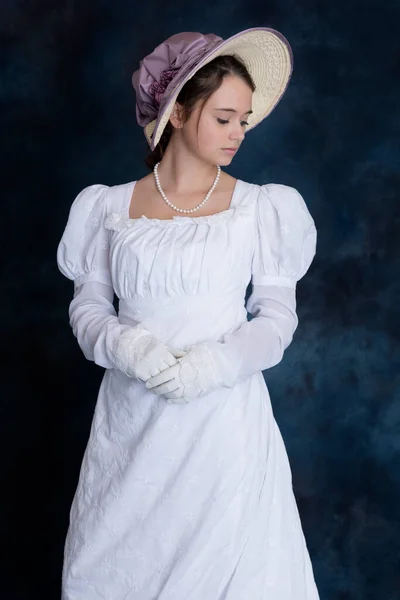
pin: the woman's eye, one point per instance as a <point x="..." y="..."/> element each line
<point x="224" y="122"/>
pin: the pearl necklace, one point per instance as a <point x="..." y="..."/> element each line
<point x="185" y="210"/>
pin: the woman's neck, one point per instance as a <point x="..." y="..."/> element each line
<point x="180" y="172"/>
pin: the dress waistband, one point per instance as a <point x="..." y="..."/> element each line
<point x="136" y="305"/>
<point x="187" y="319"/>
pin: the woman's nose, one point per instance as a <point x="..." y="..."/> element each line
<point x="237" y="135"/>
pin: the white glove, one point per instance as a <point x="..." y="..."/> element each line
<point x="193" y="376"/>
<point x="137" y="353"/>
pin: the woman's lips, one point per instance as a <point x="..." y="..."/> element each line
<point x="230" y="151"/>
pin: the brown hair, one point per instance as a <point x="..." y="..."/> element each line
<point x="200" y="87"/>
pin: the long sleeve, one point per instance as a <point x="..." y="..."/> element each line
<point x="83" y="257"/>
<point x="95" y="323"/>
<point x="285" y="247"/>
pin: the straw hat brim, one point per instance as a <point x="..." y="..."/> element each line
<point x="269" y="60"/>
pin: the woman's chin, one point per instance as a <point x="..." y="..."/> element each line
<point x="225" y="159"/>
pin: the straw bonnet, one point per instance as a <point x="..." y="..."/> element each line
<point x="163" y="73"/>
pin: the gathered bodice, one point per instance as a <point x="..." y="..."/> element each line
<point x="184" y="256"/>
<point x="186" y="277"/>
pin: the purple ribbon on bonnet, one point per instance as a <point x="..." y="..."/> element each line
<point x="171" y="60"/>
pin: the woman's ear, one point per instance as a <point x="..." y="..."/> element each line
<point x="176" y="117"/>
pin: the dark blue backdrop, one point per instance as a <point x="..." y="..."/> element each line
<point x="67" y="116"/>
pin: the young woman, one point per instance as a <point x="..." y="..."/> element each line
<point x="185" y="490"/>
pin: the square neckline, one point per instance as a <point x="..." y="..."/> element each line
<point x="174" y="218"/>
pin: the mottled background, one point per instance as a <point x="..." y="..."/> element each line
<point x="67" y="120"/>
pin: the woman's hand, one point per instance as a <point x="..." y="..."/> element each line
<point x="138" y="354"/>
<point x="168" y="384"/>
<point x="193" y="376"/>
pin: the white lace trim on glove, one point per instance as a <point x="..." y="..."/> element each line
<point x="132" y="346"/>
<point x="198" y="372"/>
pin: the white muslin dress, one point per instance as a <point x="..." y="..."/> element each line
<point x="193" y="501"/>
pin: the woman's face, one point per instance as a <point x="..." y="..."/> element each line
<point x="215" y="132"/>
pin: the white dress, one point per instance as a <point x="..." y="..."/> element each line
<point x="194" y="501"/>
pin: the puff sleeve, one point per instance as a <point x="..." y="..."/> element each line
<point x="285" y="245"/>
<point x="83" y="257"/>
<point x="285" y="237"/>
<point x="82" y="253"/>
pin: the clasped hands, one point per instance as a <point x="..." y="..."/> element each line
<point x="179" y="376"/>
<point x="165" y="377"/>
<point x="182" y="376"/>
